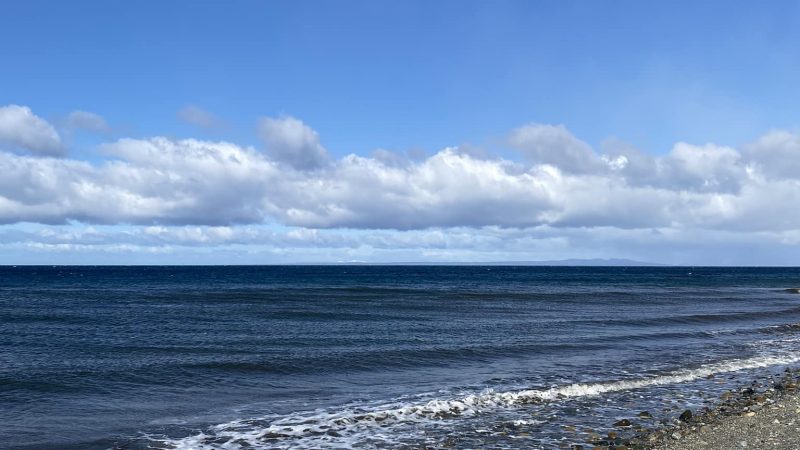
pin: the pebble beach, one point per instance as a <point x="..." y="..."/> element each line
<point x="776" y="426"/>
<point x="763" y="415"/>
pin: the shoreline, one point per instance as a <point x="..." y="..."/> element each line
<point x="764" y="414"/>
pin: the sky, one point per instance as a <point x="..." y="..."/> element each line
<point x="271" y="132"/>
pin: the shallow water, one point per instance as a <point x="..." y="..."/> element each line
<point x="374" y="357"/>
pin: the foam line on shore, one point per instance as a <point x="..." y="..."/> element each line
<point x="321" y="426"/>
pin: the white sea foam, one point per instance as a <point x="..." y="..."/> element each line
<point x="312" y="429"/>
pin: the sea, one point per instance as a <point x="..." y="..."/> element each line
<point x="376" y="357"/>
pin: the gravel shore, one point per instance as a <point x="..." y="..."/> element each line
<point x="763" y="415"/>
<point x="775" y="426"/>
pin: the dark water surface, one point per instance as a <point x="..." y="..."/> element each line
<point x="373" y="356"/>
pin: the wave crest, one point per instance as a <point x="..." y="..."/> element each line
<point x="314" y="428"/>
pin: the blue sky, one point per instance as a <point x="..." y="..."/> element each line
<point x="410" y="78"/>
<point x="414" y="74"/>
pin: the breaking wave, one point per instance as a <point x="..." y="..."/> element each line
<point x="323" y="427"/>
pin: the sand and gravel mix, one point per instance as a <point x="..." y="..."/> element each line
<point x="774" y="426"/>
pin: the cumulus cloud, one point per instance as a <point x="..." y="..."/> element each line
<point x="20" y="129"/>
<point x="563" y="185"/>
<point x="88" y="121"/>
<point x="776" y="154"/>
<point x="290" y="141"/>
<point x="446" y="189"/>
<point x="163" y="181"/>
<point x="555" y="145"/>
<point x="199" y="117"/>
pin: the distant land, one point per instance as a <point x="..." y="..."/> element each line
<point x="597" y="262"/>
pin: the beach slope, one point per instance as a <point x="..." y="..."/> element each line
<point x="743" y="423"/>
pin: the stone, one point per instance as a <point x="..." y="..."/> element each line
<point x="676" y="435"/>
<point x="645" y="415"/>
<point x="622" y="423"/>
<point x="685" y="416"/>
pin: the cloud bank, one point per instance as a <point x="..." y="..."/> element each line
<point x="559" y="184"/>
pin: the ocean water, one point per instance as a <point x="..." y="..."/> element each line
<point x="375" y="356"/>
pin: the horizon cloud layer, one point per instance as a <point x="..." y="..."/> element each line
<point x="559" y="184"/>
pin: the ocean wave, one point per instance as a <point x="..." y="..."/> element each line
<point x="737" y="316"/>
<point x="784" y="328"/>
<point x="316" y="428"/>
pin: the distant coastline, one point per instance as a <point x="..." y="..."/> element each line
<point x="591" y="262"/>
<point x="594" y="262"/>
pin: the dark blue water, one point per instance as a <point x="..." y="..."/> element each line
<point x="373" y="357"/>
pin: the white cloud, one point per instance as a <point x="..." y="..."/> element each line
<point x="199" y="117"/>
<point x="198" y="193"/>
<point x="776" y="154"/>
<point x="163" y="181"/>
<point x="708" y="168"/>
<point x="555" y="145"/>
<point x="290" y="141"/>
<point x="261" y="244"/>
<point x="87" y="121"/>
<point x="21" y="129"/>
